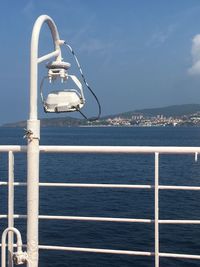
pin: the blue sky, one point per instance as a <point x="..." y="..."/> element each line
<point x="134" y="53"/>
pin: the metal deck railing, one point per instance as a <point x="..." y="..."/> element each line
<point x="157" y="151"/>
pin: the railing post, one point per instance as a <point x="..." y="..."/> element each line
<point x="32" y="201"/>
<point x="156" y="209"/>
<point x="10" y="206"/>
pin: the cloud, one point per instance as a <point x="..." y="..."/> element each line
<point x="161" y="36"/>
<point x="93" y="45"/>
<point x="195" y="69"/>
<point x="104" y="49"/>
<point x="157" y="38"/>
<point x="28" y="9"/>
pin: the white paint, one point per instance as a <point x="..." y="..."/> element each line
<point x="10" y="206"/>
<point x="33" y="128"/>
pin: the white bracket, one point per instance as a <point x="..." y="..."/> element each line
<point x="19" y="257"/>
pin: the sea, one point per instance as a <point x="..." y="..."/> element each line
<point x="118" y="203"/>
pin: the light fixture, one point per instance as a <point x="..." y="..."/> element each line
<point x="65" y="100"/>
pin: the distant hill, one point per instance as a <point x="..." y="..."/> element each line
<point x="174" y="111"/>
<point x="57" y="122"/>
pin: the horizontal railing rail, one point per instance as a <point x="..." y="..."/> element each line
<point x="154" y="150"/>
<point x="106" y="149"/>
<point x="125" y="186"/>
<point x="103" y="219"/>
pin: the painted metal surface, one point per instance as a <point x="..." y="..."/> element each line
<point x="20" y="256"/>
<point x="156" y="209"/>
<point x="10" y="206"/>
<point x="104" y="150"/>
<point x="33" y="135"/>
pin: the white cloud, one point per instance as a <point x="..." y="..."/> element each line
<point x="195" y="69"/>
<point x="157" y="38"/>
<point x="28" y="9"/>
<point x="93" y="45"/>
<point x="160" y="37"/>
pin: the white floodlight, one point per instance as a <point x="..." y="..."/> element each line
<point x="63" y="101"/>
<point x="66" y="100"/>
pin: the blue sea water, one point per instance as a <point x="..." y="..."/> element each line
<point x="123" y="203"/>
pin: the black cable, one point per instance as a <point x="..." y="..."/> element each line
<point x="87" y="85"/>
<point x="85" y="117"/>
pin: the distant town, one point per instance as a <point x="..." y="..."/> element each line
<point x="160" y="120"/>
<point x="170" y="116"/>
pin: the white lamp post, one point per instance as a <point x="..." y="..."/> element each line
<point x="67" y="100"/>
<point x="33" y="135"/>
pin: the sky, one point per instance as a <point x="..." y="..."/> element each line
<point x="134" y="53"/>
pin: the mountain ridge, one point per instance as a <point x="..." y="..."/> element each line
<point x="172" y="110"/>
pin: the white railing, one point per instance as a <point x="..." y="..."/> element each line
<point x="101" y="149"/>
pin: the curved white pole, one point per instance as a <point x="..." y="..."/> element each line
<point x="34" y="58"/>
<point x="33" y="136"/>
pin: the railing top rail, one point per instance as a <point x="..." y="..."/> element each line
<point x="121" y="149"/>
<point x="105" y="149"/>
<point x="14" y="148"/>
